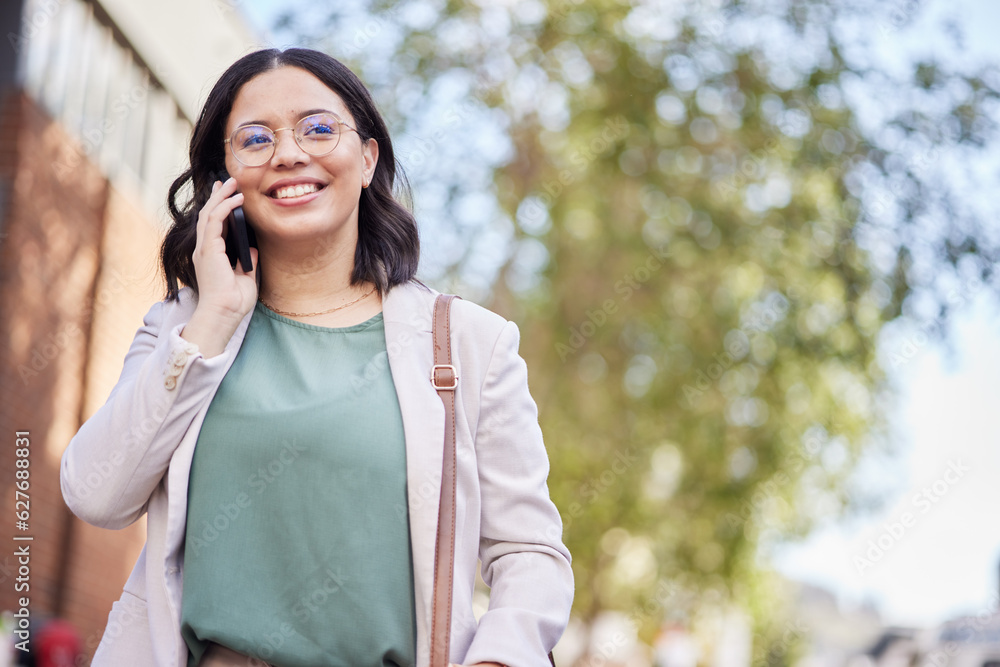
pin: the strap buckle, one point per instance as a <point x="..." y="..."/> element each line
<point x="445" y="368"/>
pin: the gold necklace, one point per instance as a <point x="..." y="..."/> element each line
<point x="323" y="312"/>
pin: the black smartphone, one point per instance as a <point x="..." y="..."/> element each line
<point x="240" y="236"/>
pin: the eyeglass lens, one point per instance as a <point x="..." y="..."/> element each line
<point x="253" y="145"/>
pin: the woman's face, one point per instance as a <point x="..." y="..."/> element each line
<point x="279" y="98"/>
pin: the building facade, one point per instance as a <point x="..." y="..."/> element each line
<point x="96" y="106"/>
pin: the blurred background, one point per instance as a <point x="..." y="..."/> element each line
<point x="749" y="244"/>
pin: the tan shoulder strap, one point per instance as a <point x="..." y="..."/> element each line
<point x="444" y="377"/>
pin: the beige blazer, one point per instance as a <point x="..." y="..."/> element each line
<point x="133" y="456"/>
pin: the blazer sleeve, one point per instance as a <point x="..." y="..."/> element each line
<point x="523" y="558"/>
<point x="119" y="455"/>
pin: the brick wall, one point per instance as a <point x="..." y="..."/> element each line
<point x="77" y="273"/>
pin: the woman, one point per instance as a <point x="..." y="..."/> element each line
<point x="301" y="529"/>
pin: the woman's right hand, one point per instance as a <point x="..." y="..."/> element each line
<point x="225" y="295"/>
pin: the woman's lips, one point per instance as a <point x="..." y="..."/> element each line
<point x="310" y="191"/>
<point x="297" y="201"/>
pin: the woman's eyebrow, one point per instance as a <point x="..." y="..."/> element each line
<point x="309" y="112"/>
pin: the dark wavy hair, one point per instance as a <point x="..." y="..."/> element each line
<point x="388" y="249"/>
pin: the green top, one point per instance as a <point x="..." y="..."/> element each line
<point x="297" y="548"/>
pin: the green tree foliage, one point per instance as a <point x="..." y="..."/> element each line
<point x="712" y="210"/>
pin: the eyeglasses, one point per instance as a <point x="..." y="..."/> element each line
<point x="318" y="134"/>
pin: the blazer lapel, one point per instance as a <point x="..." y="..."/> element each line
<point x="406" y="312"/>
<point x="180" y="462"/>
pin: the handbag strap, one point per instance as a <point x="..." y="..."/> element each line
<point x="444" y="377"/>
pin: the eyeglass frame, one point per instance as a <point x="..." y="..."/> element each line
<point x="274" y="133"/>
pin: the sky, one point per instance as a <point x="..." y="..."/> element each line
<point x="932" y="551"/>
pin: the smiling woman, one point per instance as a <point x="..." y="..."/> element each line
<point x="279" y="427"/>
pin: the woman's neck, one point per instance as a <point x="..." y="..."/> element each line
<point x="310" y="278"/>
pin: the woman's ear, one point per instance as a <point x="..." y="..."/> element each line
<point x="369" y="158"/>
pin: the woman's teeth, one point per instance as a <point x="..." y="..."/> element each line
<point x="295" y="190"/>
